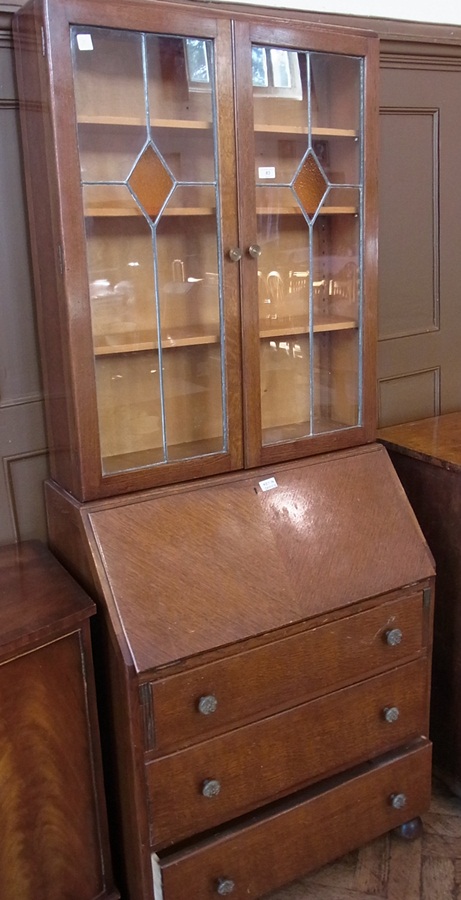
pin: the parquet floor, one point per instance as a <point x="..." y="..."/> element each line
<point x="389" y="868"/>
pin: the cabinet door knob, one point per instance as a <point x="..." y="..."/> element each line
<point x="394" y="637"/>
<point x="235" y="254"/>
<point x="254" y="250"/>
<point x="225" y="886"/>
<point x="391" y="714"/>
<point x="398" y="801"/>
<point x="207" y="704"/>
<point x="211" y="787"/>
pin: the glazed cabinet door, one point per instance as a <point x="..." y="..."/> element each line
<point x="145" y="143"/>
<point x="211" y="186"/>
<point x="305" y="102"/>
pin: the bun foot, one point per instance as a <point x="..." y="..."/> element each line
<point x="409" y="831"/>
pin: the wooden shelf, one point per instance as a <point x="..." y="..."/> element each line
<point x="284" y="327"/>
<point x="204" y="125"/>
<point x="339" y="211"/>
<point x="107" y="211"/>
<point x="302" y="129"/>
<point x="335" y="132"/>
<point x="92" y="212"/>
<point x="111" y="121"/>
<point x="188" y="124"/>
<point x="140" y="342"/>
<point x="138" y="122"/>
<point x="299" y="430"/>
<point x="297" y="211"/>
<point x="139" y="459"/>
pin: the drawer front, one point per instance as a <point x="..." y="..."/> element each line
<point x="210" y="783"/>
<point x="323" y="824"/>
<point x="283" y="674"/>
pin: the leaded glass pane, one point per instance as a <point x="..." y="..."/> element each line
<point x="147" y="141"/>
<point x="308" y="173"/>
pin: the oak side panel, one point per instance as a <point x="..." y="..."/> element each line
<point x="42" y="202"/>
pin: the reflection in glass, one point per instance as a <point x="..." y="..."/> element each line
<point x="129" y="409"/>
<point x="271" y="66"/>
<point x="276" y="72"/>
<point x="197" y="61"/>
<point x="107" y="85"/>
<point x="280" y="67"/>
<point x="96" y="163"/>
<point x="188" y="283"/>
<point x="259" y="66"/>
<point x="285" y="387"/>
<point x="121" y="282"/>
<point x="336" y="91"/>
<point x="308" y="172"/>
<point x="283" y="276"/>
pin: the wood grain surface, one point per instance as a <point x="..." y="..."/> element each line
<point x="391" y="869"/>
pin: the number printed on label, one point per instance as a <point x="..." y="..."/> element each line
<point x="268" y="484"/>
<point x="266" y="172"/>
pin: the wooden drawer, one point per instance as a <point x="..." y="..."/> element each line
<point x="284" y="673"/>
<point x="275" y="756"/>
<point x="302" y="834"/>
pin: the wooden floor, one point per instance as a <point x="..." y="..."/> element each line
<point x="428" y="868"/>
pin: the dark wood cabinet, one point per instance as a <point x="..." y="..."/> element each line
<point x="54" y="826"/>
<point x="427" y="458"/>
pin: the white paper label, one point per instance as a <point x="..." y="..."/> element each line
<point x="268" y="484"/>
<point x="84" y="42"/>
<point x="266" y="172"/>
<point x="157" y="877"/>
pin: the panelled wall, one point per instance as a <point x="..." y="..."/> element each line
<point x="420" y="262"/>
<point x="23" y="454"/>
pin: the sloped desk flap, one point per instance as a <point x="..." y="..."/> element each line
<point x="199" y="567"/>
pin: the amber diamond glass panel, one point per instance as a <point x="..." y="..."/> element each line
<point x="150" y="181"/>
<point x="310" y="185"/>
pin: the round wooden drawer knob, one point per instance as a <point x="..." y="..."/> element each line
<point x="207" y="705"/>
